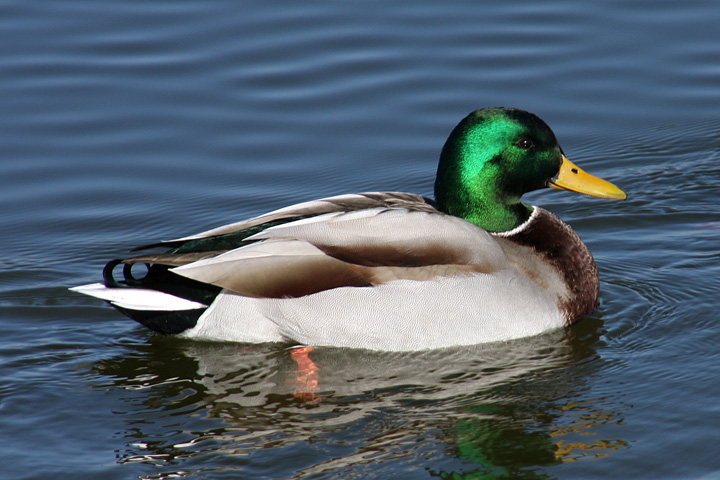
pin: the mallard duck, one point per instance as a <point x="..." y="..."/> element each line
<point x="387" y="270"/>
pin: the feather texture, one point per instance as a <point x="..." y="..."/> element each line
<point x="362" y="248"/>
<point x="340" y="203"/>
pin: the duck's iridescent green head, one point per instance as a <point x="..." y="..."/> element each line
<point x="493" y="157"/>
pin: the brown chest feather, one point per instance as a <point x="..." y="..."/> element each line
<point x="557" y="247"/>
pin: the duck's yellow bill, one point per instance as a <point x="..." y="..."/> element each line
<point x="573" y="178"/>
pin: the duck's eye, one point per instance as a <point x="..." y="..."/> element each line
<point x="525" y="143"/>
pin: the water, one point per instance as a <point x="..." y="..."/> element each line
<point x="128" y="122"/>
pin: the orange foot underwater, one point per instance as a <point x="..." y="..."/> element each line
<point x="307" y="376"/>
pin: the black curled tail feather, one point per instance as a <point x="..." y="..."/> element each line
<point x="158" y="277"/>
<point x="108" y="277"/>
<point x="129" y="280"/>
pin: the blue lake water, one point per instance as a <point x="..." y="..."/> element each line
<point x="122" y="123"/>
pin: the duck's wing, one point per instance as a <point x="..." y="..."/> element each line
<point x="360" y="248"/>
<point x="212" y="243"/>
<point x="238" y="231"/>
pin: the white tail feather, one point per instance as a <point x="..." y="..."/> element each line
<point x="138" y="298"/>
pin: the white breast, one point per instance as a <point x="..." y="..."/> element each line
<point x="398" y="316"/>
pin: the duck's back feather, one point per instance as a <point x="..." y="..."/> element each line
<point x="361" y="248"/>
<point x="339" y="203"/>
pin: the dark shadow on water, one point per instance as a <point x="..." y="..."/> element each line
<point x="492" y="411"/>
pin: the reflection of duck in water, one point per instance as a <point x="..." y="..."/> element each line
<point x="475" y="265"/>
<point x="471" y="409"/>
<point x="509" y="441"/>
